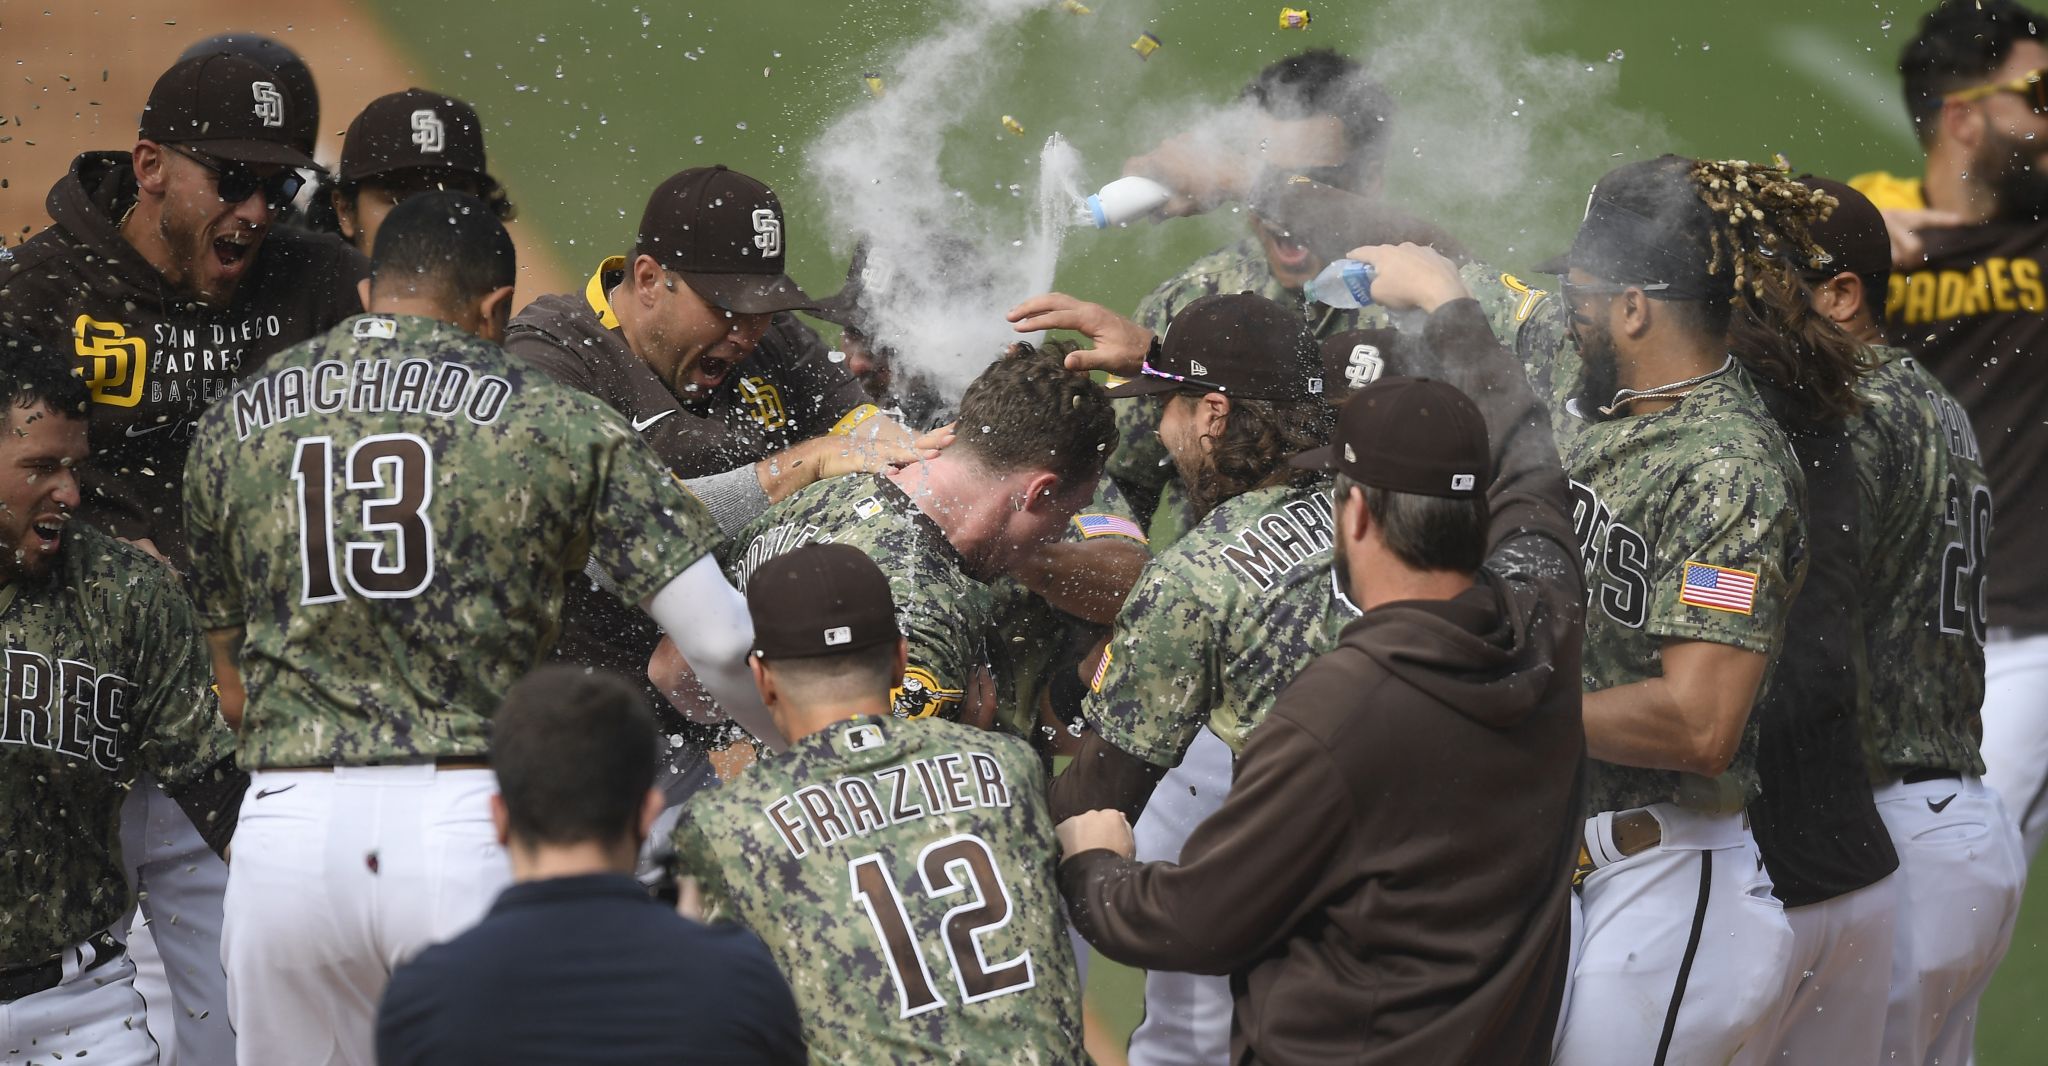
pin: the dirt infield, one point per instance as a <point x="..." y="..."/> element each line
<point x="77" y="74"/>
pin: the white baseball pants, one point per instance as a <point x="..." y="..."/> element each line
<point x="338" y="877"/>
<point x="1839" y="982"/>
<point x="1685" y="950"/>
<point x="93" y="1017"/>
<point x="175" y="943"/>
<point x="1962" y="874"/>
<point x="2016" y="729"/>
<point x="1187" y="1016"/>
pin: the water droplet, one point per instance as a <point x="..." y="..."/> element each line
<point x="1616" y="56"/>
<point x="1885" y="25"/>
<point x="541" y="39"/>
<point x="739" y="126"/>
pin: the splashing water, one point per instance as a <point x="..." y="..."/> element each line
<point x="942" y="269"/>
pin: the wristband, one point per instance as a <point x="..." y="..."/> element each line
<point x="853" y="418"/>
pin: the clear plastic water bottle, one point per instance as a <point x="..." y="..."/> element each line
<point x="1344" y="283"/>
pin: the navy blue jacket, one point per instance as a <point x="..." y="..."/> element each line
<point x="589" y="970"/>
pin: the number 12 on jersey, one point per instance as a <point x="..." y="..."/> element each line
<point x="956" y="864"/>
<point x="393" y="473"/>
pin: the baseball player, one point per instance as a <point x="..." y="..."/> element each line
<point x="107" y="681"/>
<point x="944" y="528"/>
<point x="1688" y="508"/>
<point x="162" y="276"/>
<point x="386" y="518"/>
<point x="1961" y="865"/>
<point x="900" y="871"/>
<point x="690" y="337"/>
<point x="405" y="143"/>
<point x="1967" y="300"/>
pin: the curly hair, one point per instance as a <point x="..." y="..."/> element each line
<point x="1763" y="234"/>
<point x="1258" y="438"/>
<point x="1026" y="411"/>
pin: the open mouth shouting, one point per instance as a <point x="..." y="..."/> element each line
<point x="46" y="535"/>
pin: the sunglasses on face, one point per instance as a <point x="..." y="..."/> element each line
<point x="236" y="182"/>
<point x="2029" y="85"/>
<point x="1574" y="293"/>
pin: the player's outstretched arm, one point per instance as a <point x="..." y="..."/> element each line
<point x="708" y="621"/>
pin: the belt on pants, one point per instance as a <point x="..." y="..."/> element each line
<point x="27" y="979"/>
<point x="1634" y="832"/>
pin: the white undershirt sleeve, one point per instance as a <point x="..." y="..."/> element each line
<point x="707" y="619"/>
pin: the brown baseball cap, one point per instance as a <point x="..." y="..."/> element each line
<point x="1854" y="236"/>
<point x="415" y="129"/>
<point x="723" y="232"/>
<point x="821" y="599"/>
<point x="1240" y="345"/>
<point x="226" y="106"/>
<point x="1408" y="435"/>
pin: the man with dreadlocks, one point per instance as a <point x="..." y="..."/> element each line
<point x="1689" y="507"/>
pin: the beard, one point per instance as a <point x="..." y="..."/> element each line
<point x="1599" y="369"/>
<point x="2014" y="169"/>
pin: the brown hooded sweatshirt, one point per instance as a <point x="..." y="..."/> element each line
<point x="1389" y="880"/>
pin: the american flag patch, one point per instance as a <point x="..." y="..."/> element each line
<point x="1108" y="525"/>
<point x="1718" y="588"/>
<point x="1101" y="671"/>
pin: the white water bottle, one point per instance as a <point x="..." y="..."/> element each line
<point x="1344" y="283"/>
<point x="1123" y="200"/>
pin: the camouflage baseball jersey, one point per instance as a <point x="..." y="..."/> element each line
<point x="1028" y="634"/>
<point x="944" y="612"/>
<point x="901" y="872"/>
<point x="1926" y="507"/>
<point x="108" y="678"/>
<point x="1691" y="525"/>
<point x="1220" y="623"/>
<point x="391" y="512"/>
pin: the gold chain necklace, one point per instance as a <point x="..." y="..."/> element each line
<point x="1673" y="391"/>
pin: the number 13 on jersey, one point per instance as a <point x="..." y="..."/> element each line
<point x="391" y="478"/>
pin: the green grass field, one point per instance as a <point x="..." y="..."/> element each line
<point x="1515" y="111"/>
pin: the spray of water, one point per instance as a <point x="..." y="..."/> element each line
<point x="942" y="269"/>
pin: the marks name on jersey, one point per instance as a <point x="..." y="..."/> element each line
<point x="432" y="387"/>
<point x="818" y="816"/>
<point x="1269" y="546"/>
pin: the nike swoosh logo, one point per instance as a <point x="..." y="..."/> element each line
<point x="262" y="792"/>
<point x="134" y="431"/>
<point x="640" y="424"/>
<point x="1943" y="805"/>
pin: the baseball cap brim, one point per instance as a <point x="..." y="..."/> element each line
<point x="1323" y="458"/>
<point x="1144" y="385"/>
<point x="1561" y="263"/>
<point x="253" y="152"/>
<point x="750" y="294"/>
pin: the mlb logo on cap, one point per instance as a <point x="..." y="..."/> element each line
<point x="838" y="635"/>
<point x="1463" y="482"/>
